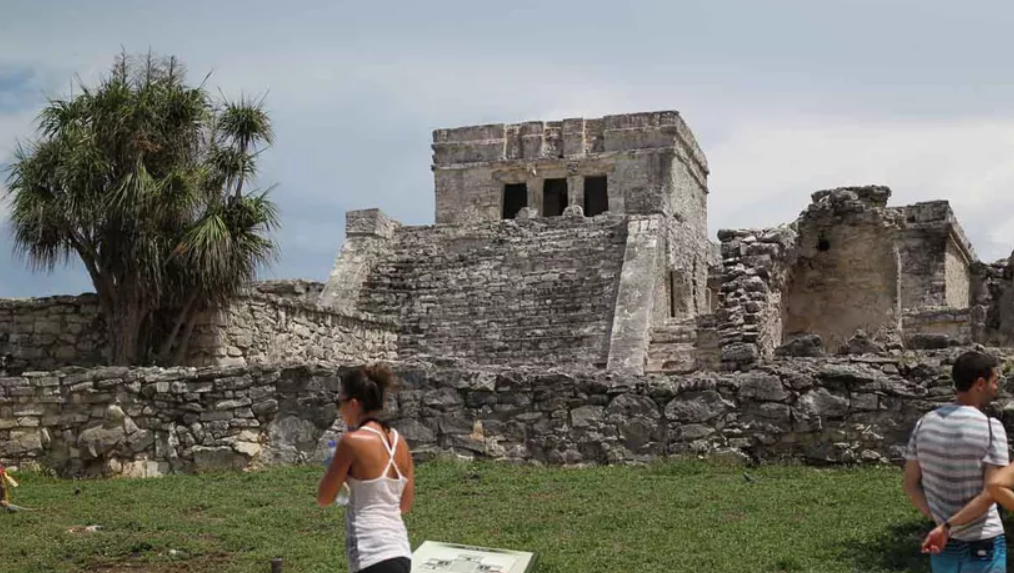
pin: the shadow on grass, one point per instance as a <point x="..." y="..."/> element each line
<point x="896" y="548"/>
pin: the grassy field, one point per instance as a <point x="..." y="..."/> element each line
<point x="677" y="516"/>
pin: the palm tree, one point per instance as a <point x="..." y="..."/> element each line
<point x="142" y="179"/>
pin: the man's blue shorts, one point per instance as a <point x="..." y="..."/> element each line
<point x="986" y="556"/>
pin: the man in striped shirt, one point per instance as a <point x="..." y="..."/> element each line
<point x="951" y="454"/>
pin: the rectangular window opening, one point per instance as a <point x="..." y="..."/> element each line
<point x="596" y="196"/>
<point x="554" y="197"/>
<point x="515" y="198"/>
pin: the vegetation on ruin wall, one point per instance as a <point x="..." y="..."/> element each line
<point x="685" y="516"/>
<point x="146" y="179"/>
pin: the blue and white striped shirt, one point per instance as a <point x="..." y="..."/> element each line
<point x="952" y="445"/>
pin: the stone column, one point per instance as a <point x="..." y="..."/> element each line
<point x="635" y="297"/>
<point x="575" y="191"/>
<point x="535" y="185"/>
<point x="367" y="232"/>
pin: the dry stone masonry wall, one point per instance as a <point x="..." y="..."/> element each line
<point x="46" y="333"/>
<point x="754" y="271"/>
<point x="273" y="321"/>
<point x="262" y="328"/>
<point x="150" y="421"/>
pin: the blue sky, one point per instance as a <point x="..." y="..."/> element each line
<point x="785" y="97"/>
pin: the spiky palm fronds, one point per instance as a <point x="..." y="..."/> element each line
<point x="142" y="178"/>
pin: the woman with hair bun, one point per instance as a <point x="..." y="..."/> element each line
<point x="375" y="462"/>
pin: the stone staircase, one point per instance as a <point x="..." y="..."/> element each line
<point x="672" y="347"/>
<point x="518" y="293"/>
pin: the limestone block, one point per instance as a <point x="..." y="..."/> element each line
<point x="820" y="402"/>
<point x="762" y="387"/>
<point x="96" y="441"/>
<point x="586" y="416"/>
<point x="217" y="458"/>
<point x="632" y="405"/>
<point x="247" y="448"/>
<point x="22" y="442"/>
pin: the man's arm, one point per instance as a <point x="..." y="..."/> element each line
<point x="912" y="484"/>
<point x="980" y="504"/>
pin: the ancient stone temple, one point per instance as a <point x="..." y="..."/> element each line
<point x="582" y="244"/>
<point x="565" y="307"/>
<point x="561" y="243"/>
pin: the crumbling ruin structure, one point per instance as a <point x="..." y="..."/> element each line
<point x="565" y="307"/>
<point x="582" y="244"/>
<point x="853" y="275"/>
<point x="565" y="243"/>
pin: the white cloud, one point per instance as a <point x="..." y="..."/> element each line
<point x="765" y="171"/>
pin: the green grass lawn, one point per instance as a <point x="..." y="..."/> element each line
<point x="677" y="516"/>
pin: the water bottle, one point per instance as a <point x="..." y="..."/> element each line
<point x="332" y="447"/>
<point x="343" y="495"/>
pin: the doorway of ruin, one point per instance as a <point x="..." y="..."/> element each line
<point x="515" y="198"/>
<point x="554" y="197"/>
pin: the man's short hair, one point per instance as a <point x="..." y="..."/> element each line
<point x="971" y="366"/>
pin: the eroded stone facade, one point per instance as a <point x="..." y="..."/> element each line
<point x="852" y="268"/>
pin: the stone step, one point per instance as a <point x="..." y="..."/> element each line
<point x="500" y="293"/>
<point x="671" y="357"/>
<point x="675" y="332"/>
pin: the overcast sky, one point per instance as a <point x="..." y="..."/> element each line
<point x="785" y="97"/>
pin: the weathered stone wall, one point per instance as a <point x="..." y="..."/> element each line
<point x="852" y="267"/>
<point x="368" y="236"/>
<point x="637" y="153"/>
<point x="755" y="266"/>
<point x="957" y="277"/>
<point x="639" y="295"/>
<point x="935" y="256"/>
<point x="992" y="311"/>
<point x="260" y="328"/>
<point x="271" y="321"/>
<point x="300" y="290"/>
<point x="847" y="273"/>
<point x="146" y="422"/>
<point x="534" y="291"/>
<point x="688" y="250"/>
<point x="47" y="333"/>
<point x="937" y="328"/>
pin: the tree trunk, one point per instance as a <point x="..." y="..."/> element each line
<point x="124" y="326"/>
<point x="181" y="351"/>
<point x="184" y="317"/>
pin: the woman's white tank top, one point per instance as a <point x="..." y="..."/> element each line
<point x="374" y="530"/>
